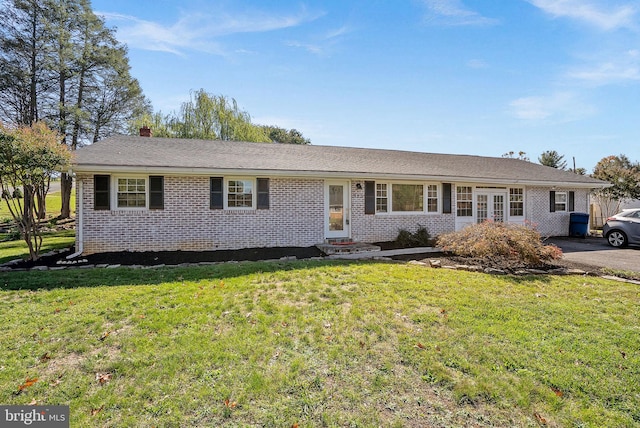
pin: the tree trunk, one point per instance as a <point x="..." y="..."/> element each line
<point x="66" y="183"/>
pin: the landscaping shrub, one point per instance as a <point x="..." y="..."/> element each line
<point x="509" y="243"/>
<point x="419" y="238"/>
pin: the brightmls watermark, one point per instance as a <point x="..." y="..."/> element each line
<point x="34" y="416"/>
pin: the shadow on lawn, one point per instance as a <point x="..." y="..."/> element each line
<point x="101" y="277"/>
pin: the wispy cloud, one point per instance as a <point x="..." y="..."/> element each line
<point x="322" y="45"/>
<point x="559" y="107"/>
<point x="601" y="15"/>
<point x="453" y="12"/>
<point x="619" y="68"/>
<point x="198" y="31"/>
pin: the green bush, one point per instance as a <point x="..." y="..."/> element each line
<point x="419" y="238"/>
<point x="508" y="243"/>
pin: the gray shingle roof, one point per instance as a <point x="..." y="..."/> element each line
<point x="165" y="155"/>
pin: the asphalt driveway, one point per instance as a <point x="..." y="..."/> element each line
<point x="596" y="252"/>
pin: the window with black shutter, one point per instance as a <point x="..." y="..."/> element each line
<point x="446" y="198"/>
<point x="217" y="194"/>
<point x="156" y="192"/>
<point x="369" y="197"/>
<point x="263" y="193"/>
<point x="552" y="201"/>
<point x="101" y="192"/>
<point x="572" y="197"/>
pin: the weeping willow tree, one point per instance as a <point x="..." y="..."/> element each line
<point x="205" y="116"/>
<point x="213" y="117"/>
<point x="29" y="156"/>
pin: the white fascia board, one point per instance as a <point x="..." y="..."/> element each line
<point x="160" y="170"/>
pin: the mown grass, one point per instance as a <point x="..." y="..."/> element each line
<point x="321" y="344"/>
<point x="17" y="249"/>
<point x="53" y="202"/>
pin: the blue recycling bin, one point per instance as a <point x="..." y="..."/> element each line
<point x="579" y="224"/>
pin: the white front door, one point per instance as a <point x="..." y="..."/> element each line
<point x="337" y="209"/>
<point x="491" y="206"/>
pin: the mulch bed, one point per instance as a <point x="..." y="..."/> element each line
<point x="154" y="258"/>
<point x="127" y="258"/>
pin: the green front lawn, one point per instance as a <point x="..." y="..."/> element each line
<point x="321" y="344"/>
<point x="17" y="249"/>
<point x="53" y="202"/>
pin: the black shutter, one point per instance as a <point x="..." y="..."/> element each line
<point x="572" y="197"/>
<point x="156" y="192"/>
<point x="552" y="201"/>
<point x="216" y="198"/>
<point x="263" y="193"/>
<point x="369" y="197"/>
<point x="446" y="198"/>
<point x="101" y="192"/>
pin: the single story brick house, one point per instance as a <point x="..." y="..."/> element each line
<point x="158" y="194"/>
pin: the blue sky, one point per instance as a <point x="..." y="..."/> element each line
<point x="448" y="76"/>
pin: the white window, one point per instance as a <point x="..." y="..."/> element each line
<point x="432" y="198"/>
<point x="516" y="202"/>
<point x="382" y="201"/>
<point x="561" y="201"/>
<point x="240" y="193"/>
<point x="131" y="192"/>
<point x="464" y="201"/>
<point x="407" y="198"/>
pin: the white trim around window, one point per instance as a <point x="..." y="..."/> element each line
<point x="240" y="193"/>
<point x="562" y="202"/>
<point x="130" y="192"/>
<point x="428" y="201"/>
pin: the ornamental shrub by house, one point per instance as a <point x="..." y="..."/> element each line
<point x="497" y="241"/>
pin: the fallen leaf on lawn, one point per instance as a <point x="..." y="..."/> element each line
<point x="362" y="344"/>
<point x="230" y="404"/>
<point x="27" y="383"/>
<point x="45" y="357"/>
<point x="96" y="411"/>
<point x="56" y="310"/>
<point x="557" y="391"/>
<point x="105" y="335"/>
<point x="539" y="418"/>
<point x="141" y="316"/>
<point x="624" y="354"/>
<point x="420" y="345"/>
<point x="221" y="283"/>
<point x="34" y="402"/>
<point x="284" y="324"/>
<point x="294" y="425"/>
<point x="103" y="377"/>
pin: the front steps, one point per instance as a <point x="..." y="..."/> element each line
<point x="345" y="246"/>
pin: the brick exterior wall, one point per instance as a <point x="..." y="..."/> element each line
<point x="295" y="218"/>
<point x="552" y="223"/>
<point x="385" y="227"/>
